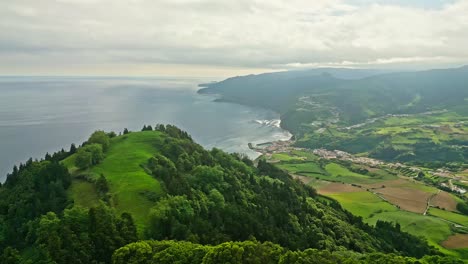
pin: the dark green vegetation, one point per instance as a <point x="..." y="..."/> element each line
<point x="320" y="110"/>
<point x="250" y="252"/>
<point x="159" y="184"/>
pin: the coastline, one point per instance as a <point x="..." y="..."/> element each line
<point x="257" y="147"/>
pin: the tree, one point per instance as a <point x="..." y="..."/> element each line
<point x="100" y="137"/>
<point x="72" y="149"/>
<point x="89" y="155"/>
<point x="10" y="256"/>
<point x="96" y="151"/>
<point x="126" y="131"/>
<point x="83" y="159"/>
<point x="104" y="235"/>
<point x="160" y="127"/>
<point x="48" y="236"/>
<point x="463" y="208"/>
<point x="147" y="128"/>
<point x="171" y="217"/>
<point x="135" y="253"/>
<point x="112" y="134"/>
<point x="216" y="198"/>
<point x="101" y="185"/>
<point x="127" y="228"/>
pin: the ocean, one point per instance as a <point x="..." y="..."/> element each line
<point x="45" y="114"/>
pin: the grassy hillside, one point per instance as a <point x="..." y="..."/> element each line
<point x="123" y="168"/>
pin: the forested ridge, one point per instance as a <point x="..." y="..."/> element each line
<point x="209" y="199"/>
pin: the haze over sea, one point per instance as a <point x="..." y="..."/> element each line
<point x="45" y="114"/>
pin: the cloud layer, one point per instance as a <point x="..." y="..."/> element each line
<point x="86" y="36"/>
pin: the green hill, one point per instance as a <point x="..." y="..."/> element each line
<point x="81" y="205"/>
<point x="129" y="183"/>
<point x="408" y="117"/>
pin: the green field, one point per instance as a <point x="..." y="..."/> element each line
<point x="284" y="157"/>
<point x="83" y="193"/>
<point x="450" y="216"/>
<point x="364" y="204"/>
<point x="126" y="177"/>
<point x="424" y="138"/>
<point x="306" y="164"/>
<point x="433" y="229"/>
<point x="294" y="155"/>
<point x="302" y="168"/>
<point x="373" y="208"/>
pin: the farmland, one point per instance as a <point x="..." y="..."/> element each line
<point x="450" y="216"/>
<point x="457" y="241"/>
<point x="446" y="201"/>
<point x="425" y="138"/>
<point x="381" y="192"/>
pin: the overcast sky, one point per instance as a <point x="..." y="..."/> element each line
<point x="227" y="37"/>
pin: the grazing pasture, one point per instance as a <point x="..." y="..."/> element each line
<point x="361" y="203"/>
<point x="127" y="179"/>
<point x="450" y="216"/>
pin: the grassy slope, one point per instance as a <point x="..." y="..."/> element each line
<point x="83" y="193"/>
<point x="433" y="229"/>
<point x="363" y="204"/>
<point x="450" y="216"/>
<point x="127" y="178"/>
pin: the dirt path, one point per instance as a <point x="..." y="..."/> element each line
<point x="304" y="179"/>
<point x="429" y="202"/>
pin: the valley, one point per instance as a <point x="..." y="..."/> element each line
<point x="378" y="190"/>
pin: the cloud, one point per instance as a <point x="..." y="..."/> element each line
<point x="240" y="34"/>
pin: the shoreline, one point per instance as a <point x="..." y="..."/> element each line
<point x="218" y="98"/>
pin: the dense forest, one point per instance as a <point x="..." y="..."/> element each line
<point x="210" y="199"/>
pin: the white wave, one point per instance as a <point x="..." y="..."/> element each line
<point x="270" y="123"/>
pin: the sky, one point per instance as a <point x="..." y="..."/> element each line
<point x="220" y="38"/>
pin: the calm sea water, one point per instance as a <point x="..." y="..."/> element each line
<point x="45" y="114"/>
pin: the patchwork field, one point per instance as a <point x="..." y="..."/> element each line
<point x="333" y="188"/>
<point x="357" y="201"/>
<point x="456" y="241"/>
<point x="436" y="137"/>
<point x="379" y="194"/>
<point x="407" y="194"/>
<point x="445" y="200"/>
<point x="407" y="199"/>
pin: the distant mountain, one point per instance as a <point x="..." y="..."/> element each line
<point x="353" y="95"/>
<point x="324" y="100"/>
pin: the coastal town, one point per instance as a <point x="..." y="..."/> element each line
<point x="267" y="150"/>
